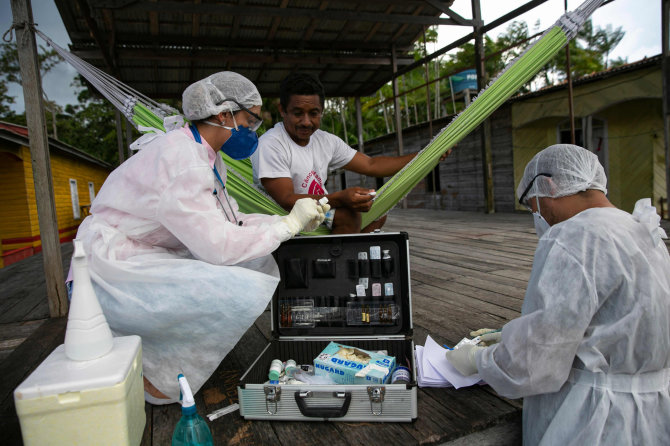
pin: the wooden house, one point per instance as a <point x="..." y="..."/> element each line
<point x="618" y="115"/>
<point x="77" y="176"/>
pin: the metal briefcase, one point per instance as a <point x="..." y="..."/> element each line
<point x="351" y="289"/>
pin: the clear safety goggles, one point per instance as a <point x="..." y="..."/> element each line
<point x="523" y="201"/>
<point x="253" y="120"/>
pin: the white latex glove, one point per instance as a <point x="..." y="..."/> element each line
<point x="321" y="209"/>
<point x="463" y="359"/>
<point x="304" y="213"/>
<point x="487" y="336"/>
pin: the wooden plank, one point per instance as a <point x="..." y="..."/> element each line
<point x="427" y="266"/>
<point x="221" y="391"/>
<point x="452" y="294"/>
<point x="21" y="363"/>
<point x="19" y="330"/>
<point x="39" y="143"/>
<point x="23" y="287"/>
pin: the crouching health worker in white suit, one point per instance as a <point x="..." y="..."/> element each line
<point x="590" y="353"/>
<point x="171" y="257"/>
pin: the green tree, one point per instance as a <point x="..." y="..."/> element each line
<point x="607" y="39"/>
<point x="90" y="125"/>
<point x="589" y="53"/>
<point x="10" y="72"/>
<point x="5" y="102"/>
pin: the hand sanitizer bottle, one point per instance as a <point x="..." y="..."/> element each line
<point x="191" y="429"/>
<point x="87" y="335"/>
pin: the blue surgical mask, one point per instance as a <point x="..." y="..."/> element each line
<point x="242" y="142"/>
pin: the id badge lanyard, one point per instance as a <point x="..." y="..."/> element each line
<point x="198" y="139"/>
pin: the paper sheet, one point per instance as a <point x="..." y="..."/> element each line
<point x="435" y="371"/>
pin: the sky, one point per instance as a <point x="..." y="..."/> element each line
<point x="640" y="19"/>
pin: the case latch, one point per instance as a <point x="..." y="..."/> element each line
<point x="272" y="396"/>
<point x="376" y="395"/>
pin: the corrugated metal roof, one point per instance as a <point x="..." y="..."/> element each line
<point x="643" y="63"/>
<point x="18" y="134"/>
<point x="160" y="47"/>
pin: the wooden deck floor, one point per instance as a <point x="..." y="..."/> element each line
<point x="469" y="270"/>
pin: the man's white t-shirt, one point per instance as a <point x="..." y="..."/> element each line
<point x="278" y="156"/>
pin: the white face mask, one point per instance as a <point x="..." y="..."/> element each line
<point x="541" y="225"/>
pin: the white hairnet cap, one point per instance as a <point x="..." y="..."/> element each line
<point x="572" y="168"/>
<point x="205" y="97"/>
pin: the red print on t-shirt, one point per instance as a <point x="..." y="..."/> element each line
<point x="314" y="181"/>
<point x="315" y="189"/>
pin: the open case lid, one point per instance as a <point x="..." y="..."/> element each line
<point x="343" y="285"/>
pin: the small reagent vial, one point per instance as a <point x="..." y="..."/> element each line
<point x="275" y="369"/>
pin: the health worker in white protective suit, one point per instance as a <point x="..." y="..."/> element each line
<point x="171" y="257"/>
<point x="590" y="353"/>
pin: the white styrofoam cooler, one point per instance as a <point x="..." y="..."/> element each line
<point x="97" y="402"/>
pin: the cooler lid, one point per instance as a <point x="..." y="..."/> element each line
<point x="58" y="374"/>
<point x="354" y="285"/>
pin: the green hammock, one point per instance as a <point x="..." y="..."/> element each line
<point x="149" y="116"/>
<point x="515" y="75"/>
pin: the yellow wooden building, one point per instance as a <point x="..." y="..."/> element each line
<point x="618" y="116"/>
<point x="77" y="176"/>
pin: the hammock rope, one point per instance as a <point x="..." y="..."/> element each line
<point x="150" y="116"/>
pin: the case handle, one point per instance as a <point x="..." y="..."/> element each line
<point x="322" y="411"/>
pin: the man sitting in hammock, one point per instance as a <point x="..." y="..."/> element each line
<point x="294" y="157"/>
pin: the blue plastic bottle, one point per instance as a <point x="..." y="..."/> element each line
<point x="191" y="429"/>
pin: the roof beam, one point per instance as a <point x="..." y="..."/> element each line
<point x="444" y="7"/>
<point x="98" y="37"/>
<point x="116" y="4"/>
<point x="195" y="32"/>
<point x="312" y="26"/>
<point x="465" y="39"/>
<point x="236" y="22"/>
<point x="108" y="19"/>
<point x="337" y="44"/>
<point x="256" y="11"/>
<point x="376" y="26"/>
<point x="404" y="26"/>
<point x="275" y="22"/>
<point x="512" y="14"/>
<point x="221" y="56"/>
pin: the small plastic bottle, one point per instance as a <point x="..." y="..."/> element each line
<point x="276" y="367"/>
<point x="191" y="430"/>
<point x="290" y="368"/>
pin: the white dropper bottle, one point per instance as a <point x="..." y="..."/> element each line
<point x="87" y="335"/>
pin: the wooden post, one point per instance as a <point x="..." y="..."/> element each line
<point x="665" y="46"/>
<point x="396" y="104"/>
<point x="487" y="157"/>
<point x="119" y="137"/>
<point x="568" y="71"/>
<point x="359" y="128"/>
<point x="39" y="153"/>
<point x="427" y="77"/>
<point x="404" y="86"/>
<point x="386" y="118"/>
<point x="428" y="115"/>
<point x="342" y="102"/>
<point x="396" y="108"/>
